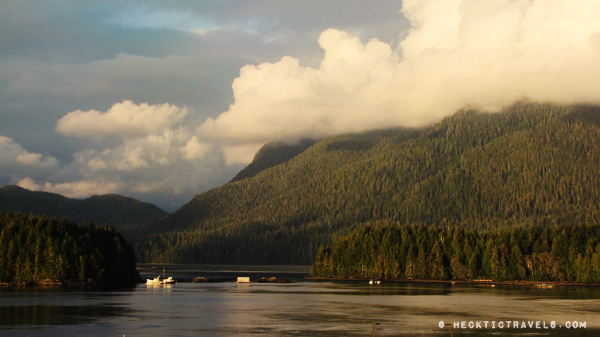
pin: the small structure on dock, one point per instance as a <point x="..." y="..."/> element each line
<point x="243" y="280"/>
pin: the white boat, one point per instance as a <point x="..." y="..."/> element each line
<point x="157" y="280"/>
<point x="169" y="280"/>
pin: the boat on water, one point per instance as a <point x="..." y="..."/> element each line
<point x="157" y="280"/>
<point x="169" y="280"/>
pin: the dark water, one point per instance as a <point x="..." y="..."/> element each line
<point x="297" y="309"/>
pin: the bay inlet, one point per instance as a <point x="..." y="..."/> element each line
<point x="302" y="308"/>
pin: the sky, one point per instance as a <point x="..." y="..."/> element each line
<point x="162" y="100"/>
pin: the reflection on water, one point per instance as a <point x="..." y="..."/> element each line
<point x="159" y="287"/>
<point x="296" y="309"/>
<point x="56" y="314"/>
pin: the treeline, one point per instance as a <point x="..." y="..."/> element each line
<point x="558" y="253"/>
<point x="250" y="243"/>
<point x="533" y="164"/>
<point x="34" y="249"/>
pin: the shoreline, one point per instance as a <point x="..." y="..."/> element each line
<point x="68" y="284"/>
<point x="480" y="282"/>
<point x="53" y="283"/>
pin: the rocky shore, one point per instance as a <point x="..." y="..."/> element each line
<point x="50" y="282"/>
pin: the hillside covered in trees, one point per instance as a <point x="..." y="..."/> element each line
<point x="272" y="154"/>
<point x="34" y="249"/>
<point x="112" y="209"/>
<point x="558" y="253"/>
<point x="531" y="165"/>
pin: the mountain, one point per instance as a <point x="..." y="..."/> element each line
<point x="530" y="164"/>
<point x="112" y="209"/>
<point x="272" y="154"/>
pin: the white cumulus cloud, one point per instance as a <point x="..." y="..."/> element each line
<point x="16" y="162"/>
<point x="125" y="119"/>
<point x="155" y="153"/>
<point x="194" y="149"/>
<point x="483" y="53"/>
<point x="75" y="189"/>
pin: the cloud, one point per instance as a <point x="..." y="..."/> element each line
<point x="458" y="53"/>
<point x="138" y="154"/>
<point x="153" y="156"/>
<point x="156" y="154"/>
<point x="8" y="149"/>
<point x="122" y="119"/>
<point x="29" y="158"/>
<point x="29" y="184"/>
<point x="240" y="154"/>
<point x="75" y="189"/>
<point x="167" y="169"/>
<point x="16" y="161"/>
<point x="285" y="100"/>
<point x="83" y="58"/>
<point x="18" y="165"/>
<point x="482" y="53"/>
<point x="194" y="149"/>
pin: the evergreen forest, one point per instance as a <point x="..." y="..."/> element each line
<point x="560" y="253"/>
<point x="39" y="249"/>
<point x="122" y="212"/>
<point x="532" y="165"/>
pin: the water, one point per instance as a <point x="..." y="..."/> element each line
<point x="305" y="308"/>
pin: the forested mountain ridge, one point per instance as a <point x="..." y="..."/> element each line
<point x="112" y="209"/>
<point x="272" y="154"/>
<point x="531" y="164"/>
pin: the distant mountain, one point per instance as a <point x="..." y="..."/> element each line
<point x="531" y="164"/>
<point x="122" y="212"/>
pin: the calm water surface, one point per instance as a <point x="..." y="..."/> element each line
<point x="299" y="309"/>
